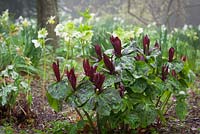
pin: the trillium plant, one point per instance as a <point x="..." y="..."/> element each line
<point x="127" y="89"/>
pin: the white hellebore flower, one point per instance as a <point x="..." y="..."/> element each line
<point x="51" y="20"/>
<point x="25" y="23"/>
<point x="59" y="30"/>
<point x="36" y="43"/>
<point x="42" y="33"/>
<point x="182" y="92"/>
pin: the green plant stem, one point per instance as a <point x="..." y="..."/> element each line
<point x="90" y="121"/>
<point x="98" y="123"/>
<point x="44" y="73"/>
<point x="158" y="101"/>
<point x="71" y="48"/>
<point x="79" y="113"/>
<point x="67" y="55"/>
<point x="165" y="102"/>
<point x="83" y="48"/>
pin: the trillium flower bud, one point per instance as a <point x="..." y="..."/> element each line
<point x="72" y="78"/>
<point x="108" y="63"/>
<point x="116" y="43"/>
<point x="184" y="58"/>
<point x="89" y="70"/>
<point x="157" y="46"/>
<point x="171" y="54"/>
<point x="56" y="70"/>
<point x="146" y="43"/>
<point x="98" y="51"/>
<point x="164" y="72"/>
<point x="173" y="73"/>
<point x="98" y="81"/>
<point x="121" y="90"/>
<point x="139" y="57"/>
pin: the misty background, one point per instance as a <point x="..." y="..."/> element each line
<point x="173" y="13"/>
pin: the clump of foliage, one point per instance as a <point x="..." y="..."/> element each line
<point x="16" y="45"/>
<point x="11" y="86"/>
<point x="125" y="89"/>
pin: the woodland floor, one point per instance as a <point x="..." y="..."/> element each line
<point x="40" y="115"/>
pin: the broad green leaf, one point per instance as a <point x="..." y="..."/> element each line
<point x="133" y="120"/>
<point x="147" y="114"/>
<point x="84" y="92"/>
<point x="108" y="100"/>
<point x="181" y="109"/>
<point x="54" y="103"/>
<point x="57" y="93"/>
<point x="142" y="68"/>
<point x="59" y="90"/>
<point x="139" y="85"/>
<point x="127" y="77"/>
<point x="103" y="107"/>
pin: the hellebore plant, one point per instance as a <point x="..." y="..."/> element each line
<point x="127" y="93"/>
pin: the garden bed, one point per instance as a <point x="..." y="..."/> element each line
<point x="43" y="116"/>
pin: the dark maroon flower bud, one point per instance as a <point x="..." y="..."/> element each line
<point x="157" y="46"/>
<point x="86" y="67"/>
<point x="98" y="81"/>
<point x="184" y="58"/>
<point x="171" y="54"/>
<point x="164" y="72"/>
<point x="56" y="70"/>
<point x="121" y="90"/>
<point x="72" y="78"/>
<point x="139" y="57"/>
<point x="108" y="63"/>
<point x="146" y="43"/>
<point x="116" y="42"/>
<point x="98" y="51"/>
<point x="174" y="73"/>
<point x="89" y="70"/>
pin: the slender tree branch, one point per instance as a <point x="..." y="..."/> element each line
<point x="132" y="14"/>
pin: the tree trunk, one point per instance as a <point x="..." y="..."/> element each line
<point x="46" y="9"/>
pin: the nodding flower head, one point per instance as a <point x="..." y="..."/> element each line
<point x="98" y="81"/>
<point x="171" y="54"/>
<point x="146" y="43"/>
<point x="98" y="51"/>
<point x="116" y="43"/>
<point x="109" y="64"/>
<point x="56" y="70"/>
<point x="89" y="70"/>
<point x="72" y="78"/>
